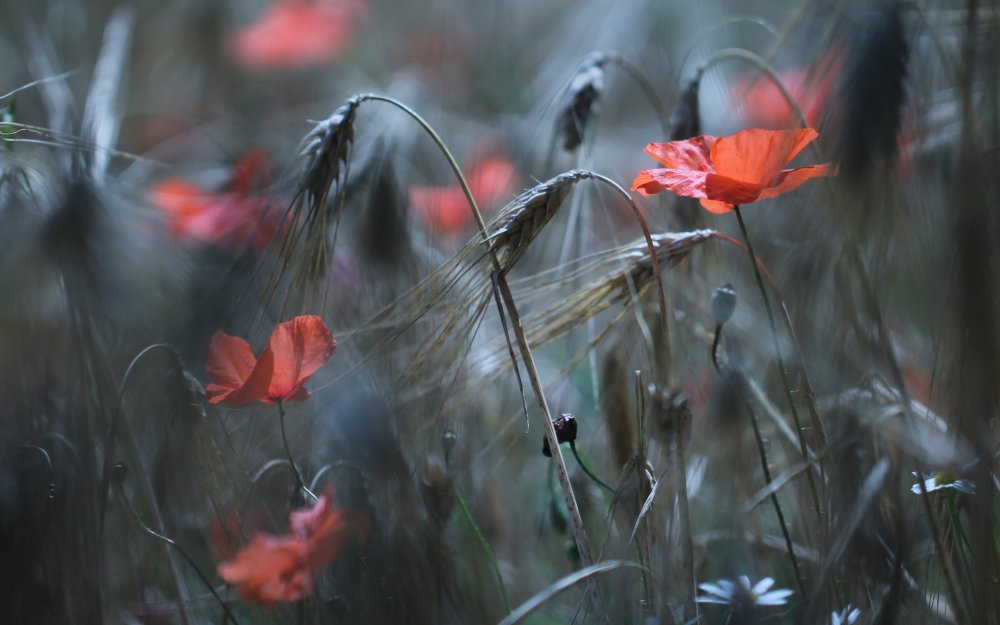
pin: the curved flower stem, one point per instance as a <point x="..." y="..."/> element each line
<point x="586" y="469"/>
<point x="111" y="439"/>
<point x="642" y="80"/>
<point x="291" y="461"/>
<point x="781" y="364"/>
<point x="766" y="69"/>
<point x="180" y="550"/>
<point x="715" y="347"/>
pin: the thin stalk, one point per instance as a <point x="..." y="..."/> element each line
<point x="180" y="550"/>
<point x="291" y="460"/>
<point x="960" y="537"/>
<point x="781" y="363"/>
<point x="644" y="83"/>
<point x="111" y="439"/>
<point x="640" y="422"/>
<point x="762" y="451"/>
<point x="774" y="500"/>
<point x="579" y="532"/>
<point x="588" y="472"/>
<point x="485" y="546"/>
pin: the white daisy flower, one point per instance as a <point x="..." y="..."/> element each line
<point x="847" y="616"/>
<point x="726" y="592"/>
<point x="944" y="480"/>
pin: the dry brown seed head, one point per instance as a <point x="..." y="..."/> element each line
<point x="326" y="147"/>
<point x="671" y="247"/>
<point x="584" y="92"/>
<point x="528" y="213"/>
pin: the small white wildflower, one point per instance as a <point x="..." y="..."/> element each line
<point x="944" y="480"/>
<point x="847" y="616"/>
<point x="726" y="592"/>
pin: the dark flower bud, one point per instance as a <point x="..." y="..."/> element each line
<point x="565" y="426"/>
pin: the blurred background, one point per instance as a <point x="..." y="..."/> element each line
<point x="168" y="170"/>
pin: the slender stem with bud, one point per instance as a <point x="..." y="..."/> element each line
<point x="781" y="363"/>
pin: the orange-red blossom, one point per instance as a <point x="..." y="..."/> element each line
<point x="728" y="171"/>
<point x="274" y="569"/>
<point x="296" y="350"/>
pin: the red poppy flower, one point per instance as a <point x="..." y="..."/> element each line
<point x="297" y="33"/>
<point x="490" y="181"/>
<point x="296" y="350"/>
<point x="810" y="88"/>
<point x="281" y="568"/>
<point x="737" y="169"/>
<point x="230" y="217"/>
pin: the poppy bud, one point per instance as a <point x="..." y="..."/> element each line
<point x="565" y="426"/>
<point x="723" y="303"/>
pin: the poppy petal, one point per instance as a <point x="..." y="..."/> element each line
<point x="230" y="364"/>
<point x="731" y="191"/>
<point x="691" y="153"/>
<point x="299" y="348"/>
<point x="716" y="206"/>
<point x="686" y="182"/>
<point x="757" y="156"/>
<point x="790" y="179"/>
<point x="269" y="570"/>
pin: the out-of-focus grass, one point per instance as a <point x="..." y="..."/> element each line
<point x="882" y="279"/>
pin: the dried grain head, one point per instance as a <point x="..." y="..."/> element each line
<point x="685" y="121"/>
<point x="671" y="248"/>
<point x="583" y="95"/>
<point x="873" y="93"/>
<point x="326" y="148"/>
<point x="525" y="217"/>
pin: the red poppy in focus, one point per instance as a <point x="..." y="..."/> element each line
<point x="297" y="33"/>
<point x="490" y="181"/>
<point x="810" y="88"/>
<point x="296" y="350"/>
<point x="231" y="217"/>
<point x="728" y="171"/>
<point x="275" y="569"/>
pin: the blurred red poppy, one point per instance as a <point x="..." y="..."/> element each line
<point x="232" y="217"/>
<point x="297" y="33"/>
<point x="296" y="350"/>
<point x="810" y="88"/>
<point x="275" y="569"/>
<point x="728" y="171"/>
<point x="491" y="180"/>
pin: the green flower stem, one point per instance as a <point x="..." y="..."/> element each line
<point x="153" y="533"/>
<point x="467" y="515"/>
<point x="586" y="469"/>
<point x="291" y="461"/>
<point x="960" y="537"/>
<point x="781" y="363"/>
